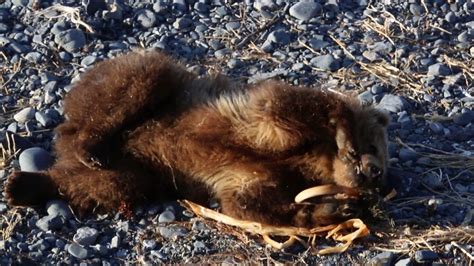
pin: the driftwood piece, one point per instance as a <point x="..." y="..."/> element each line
<point x="335" y="231"/>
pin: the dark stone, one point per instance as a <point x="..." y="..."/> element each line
<point x="464" y="118"/>
<point x="438" y="69"/>
<point x="382" y="259"/>
<point x="422" y="256"/>
<point x="326" y="62"/>
<point x="394" y="103"/>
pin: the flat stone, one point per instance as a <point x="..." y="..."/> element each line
<point x="451" y="17"/>
<point x="77" y="251"/>
<point x="305" y="10"/>
<point x="3" y="208"/>
<point x="199" y="247"/>
<point x="25" y="114"/>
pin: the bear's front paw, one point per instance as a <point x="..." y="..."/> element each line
<point x="336" y="211"/>
<point x="348" y="154"/>
<point x="346" y="150"/>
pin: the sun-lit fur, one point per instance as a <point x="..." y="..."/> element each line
<point x="140" y="127"/>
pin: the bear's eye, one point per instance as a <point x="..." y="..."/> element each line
<point x="373" y="149"/>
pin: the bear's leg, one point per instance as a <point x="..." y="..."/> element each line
<point x="102" y="190"/>
<point x="29" y="189"/>
<point x="85" y="189"/>
<point x="116" y="95"/>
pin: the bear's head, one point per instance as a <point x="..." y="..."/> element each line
<point x="370" y="135"/>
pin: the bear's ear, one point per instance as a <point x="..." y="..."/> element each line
<point x="378" y="116"/>
<point x="382" y="118"/>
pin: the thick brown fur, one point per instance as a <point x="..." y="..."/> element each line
<point x="140" y="127"/>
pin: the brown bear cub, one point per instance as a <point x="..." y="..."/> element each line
<point x="140" y="127"/>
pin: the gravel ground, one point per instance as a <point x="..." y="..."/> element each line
<point x="411" y="58"/>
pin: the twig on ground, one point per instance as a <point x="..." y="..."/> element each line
<point x="330" y="231"/>
<point x="267" y="25"/>
<point x="73" y="13"/>
<point x="463" y="250"/>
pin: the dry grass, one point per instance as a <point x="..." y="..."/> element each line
<point x="9" y="152"/>
<point x="13" y="71"/>
<point x="408" y="240"/>
<point x="386" y="72"/>
<point x="71" y="13"/>
<point x="8" y="224"/>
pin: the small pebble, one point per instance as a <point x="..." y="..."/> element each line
<point x="58" y="207"/>
<point x="86" y="236"/>
<point x="77" y="251"/>
<point x="166" y="217"/>
<point x="146" y="18"/>
<point x="49" y="222"/>
<point x="423" y="256"/>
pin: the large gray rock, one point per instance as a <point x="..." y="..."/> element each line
<point x="35" y="159"/>
<point x="394" y="103"/>
<point x="326" y="62"/>
<point x="71" y="40"/>
<point x="305" y="10"/>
